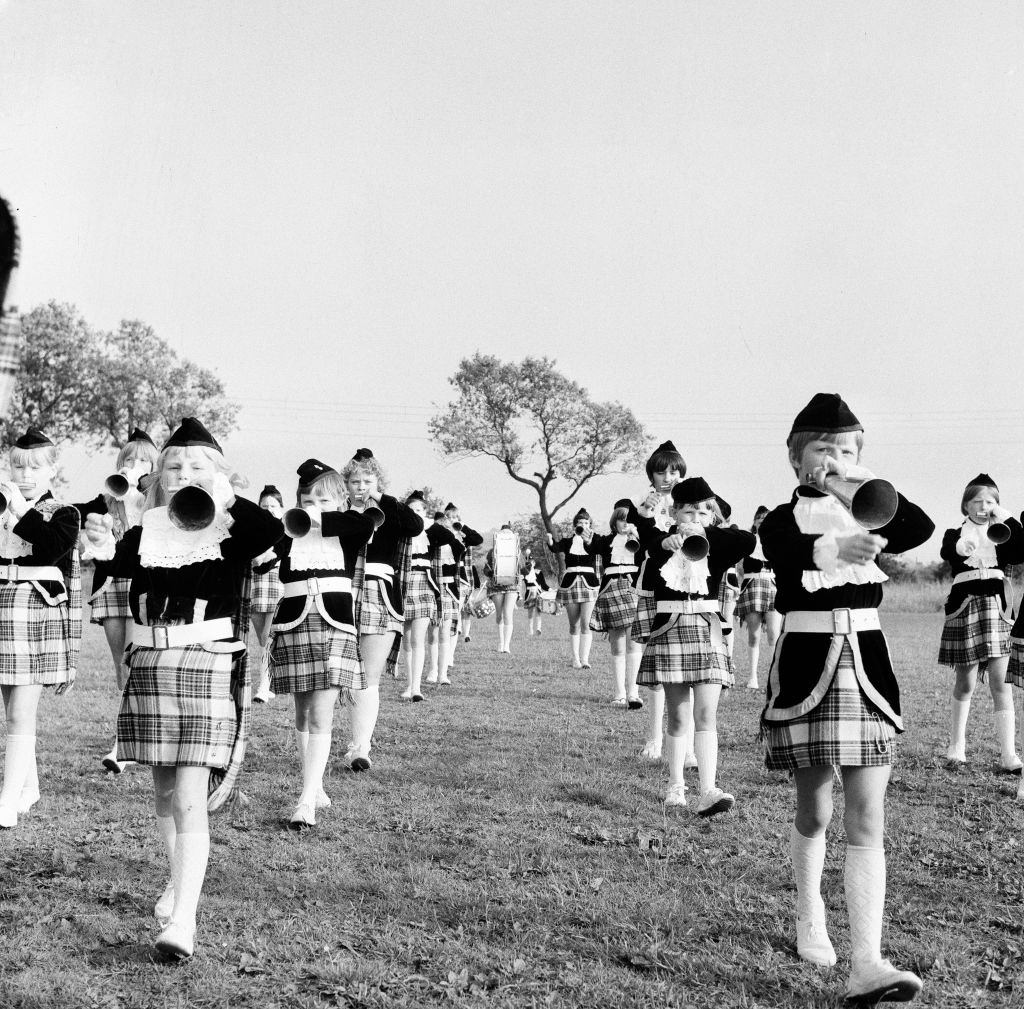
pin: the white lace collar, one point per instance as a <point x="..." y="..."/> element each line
<point x="620" y="555"/>
<point x="577" y="546"/>
<point x="164" y="545"/>
<point x="984" y="555"/>
<point x="315" y="552"/>
<point x="684" y="575"/>
<point x="825" y="517"/>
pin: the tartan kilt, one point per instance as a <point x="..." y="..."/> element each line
<point x="1015" y="669"/>
<point x="646" y="610"/>
<point x="578" y="591"/>
<point x="38" y="643"/>
<point x="420" y="600"/>
<point x="727" y="592"/>
<point x="447" y="613"/>
<point x="376" y="615"/>
<point x="976" y="632"/>
<point x="840" y="731"/>
<point x="500" y="590"/>
<point x="315" y="655"/>
<point x="684" y="653"/>
<point x="264" y="590"/>
<point x="111" y="601"/>
<point x="616" y="605"/>
<point x="177" y="708"/>
<point x="531" y="598"/>
<point x="757" y="595"/>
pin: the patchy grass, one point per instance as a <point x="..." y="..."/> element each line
<point x="507" y="849"/>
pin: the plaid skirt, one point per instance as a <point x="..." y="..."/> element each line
<point x="646" y="610"/>
<point x="616" y="606"/>
<point x="757" y="595"/>
<point x="577" y="592"/>
<point x="1015" y="668"/>
<point x="447" y="615"/>
<point x="38" y="643"/>
<point x="978" y="631"/>
<point x="315" y="655"/>
<point x="420" y="600"/>
<point x="111" y="601"/>
<point x="727" y="591"/>
<point x="177" y="709"/>
<point x="685" y="653"/>
<point x="263" y="591"/>
<point x="841" y="730"/>
<point x="376" y="615"/>
<point x="500" y="590"/>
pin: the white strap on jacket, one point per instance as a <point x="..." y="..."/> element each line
<point x="577" y="570"/>
<point x="842" y="621"/>
<point x="620" y="569"/>
<point x="179" y="635"/>
<point x="978" y="575"/>
<point x="30" y="573"/>
<point x="318" y="586"/>
<point x="374" y="569"/>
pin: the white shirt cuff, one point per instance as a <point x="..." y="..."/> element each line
<point x="826" y="553"/>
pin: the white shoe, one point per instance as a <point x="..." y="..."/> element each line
<point x="430" y="677"/>
<point x="264" y="695"/>
<point x="444" y="681"/>
<point x="406" y="695"/>
<point x="619" y="702"/>
<point x="634" y="703"/>
<point x="651" y="750"/>
<point x="715" y="801"/>
<point x="1012" y="766"/>
<point x="28" y="800"/>
<point x="164" y="907"/>
<point x="956" y="756"/>
<point x="176" y="941"/>
<point x="752" y="684"/>
<point x="691" y="760"/>
<point x="112" y="764"/>
<point x="8" y="817"/>
<point x="576" y="664"/>
<point x="304" y="816"/>
<point x="813" y="943"/>
<point x="676" y="795"/>
<point x="881" y="982"/>
<point x="323" y="800"/>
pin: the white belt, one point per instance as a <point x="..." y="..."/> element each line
<point x="376" y="570"/>
<point x="580" y="571"/>
<point x="318" y="586"/>
<point x="423" y="563"/>
<point x="620" y="569"/>
<point x="841" y="621"/>
<point x="179" y="635"/>
<point x="30" y="573"/>
<point x="978" y="575"/>
<point x="688" y="606"/>
<point x="763" y="572"/>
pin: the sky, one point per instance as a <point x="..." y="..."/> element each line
<point x="704" y="211"/>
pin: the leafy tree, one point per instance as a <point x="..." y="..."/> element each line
<point x="541" y="426"/>
<point x="434" y="501"/>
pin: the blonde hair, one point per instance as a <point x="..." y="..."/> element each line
<point x="718" y="519"/>
<point x="134" y="451"/>
<point x="331" y="481"/>
<point x="619" y="514"/>
<point x="46" y="453"/>
<point x="156" y="496"/>
<point x="801" y="439"/>
<point x="370" y="466"/>
<point x="972" y="490"/>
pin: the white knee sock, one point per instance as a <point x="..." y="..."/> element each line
<point x="508" y="635"/>
<point x="19" y="758"/>
<point x="30" y="790"/>
<point x="318" y="750"/>
<point x="574" y="640"/>
<point x="808" y="857"/>
<point x="191" y="854"/>
<point x="632" y="668"/>
<point x="301" y="739"/>
<point x="688" y="729"/>
<point x="755" y="658"/>
<point x="586" y="640"/>
<point x="656" y="715"/>
<point x="452" y="642"/>
<point x="1006" y="732"/>
<point x="619" y="676"/>
<point x="168" y="834"/>
<point x="365" y="709"/>
<point x="675" y="754"/>
<point x="501" y="636"/>
<point x="864" y="882"/>
<point x="705" y="745"/>
<point x="958" y="727"/>
<point x="432" y="668"/>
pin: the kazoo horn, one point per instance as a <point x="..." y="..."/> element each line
<point x="632" y="544"/>
<point x="695" y="547"/>
<point x="191" y="508"/>
<point x="998" y="532"/>
<point x="297" y="522"/>
<point x="116" y="485"/>
<point x="872" y="502"/>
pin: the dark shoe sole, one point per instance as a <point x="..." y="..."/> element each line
<point x="904" y="992"/>
<point x="112" y="765"/>
<point x="722" y="806"/>
<point x="634" y="705"/>
<point x="360" y="764"/>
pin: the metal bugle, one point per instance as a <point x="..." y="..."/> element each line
<point x="998" y="533"/>
<point x="457" y="526"/>
<point x="578" y="530"/>
<point x="297" y="522"/>
<point x="378" y="517"/>
<point x="695" y="547"/>
<point x="872" y="502"/>
<point x="191" y="508"/>
<point x="632" y="544"/>
<point x="116" y="485"/>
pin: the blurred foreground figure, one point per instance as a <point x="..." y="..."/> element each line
<point x="10" y="321"/>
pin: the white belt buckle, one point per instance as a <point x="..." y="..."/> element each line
<point x="313" y="586"/>
<point x="161" y="637"/>
<point x="842" y="621"/>
<point x="9" y="572"/>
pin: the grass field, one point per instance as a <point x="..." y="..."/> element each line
<point x="507" y="849"/>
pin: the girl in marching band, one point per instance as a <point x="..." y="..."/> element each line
<point x="466" y="573"/>
<point x="109" y="599"/>
<point x="579" y="586"/>
<point x="445" y="556"/>
<point x="686" y="648"/>
<point x="264" y="590"/>
<point x="314" y="652"/>
<point x="40" y="609"/>
<point x="756" y="607"/>
<point x="665" y="468"/>
<point x="534" y="583"/>
<point x="979" y="611"/>
<point x="504" y="597"/>
<point x="186" y="563"/>
<point x="616" y="602"/>
<point x="833" y="700"/>
<point x="423" y="590"/>
<point x="381" y="600"/>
